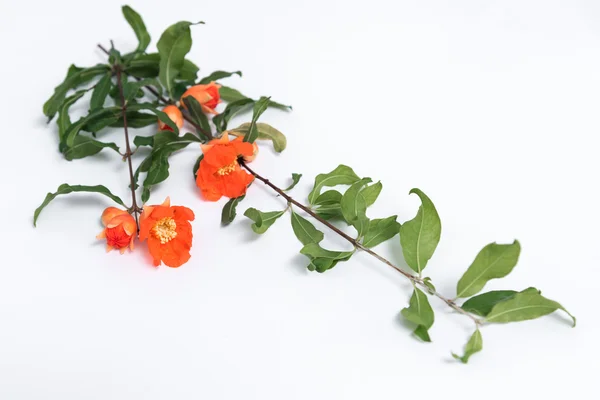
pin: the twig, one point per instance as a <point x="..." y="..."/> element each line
<point x="415" y="279"/>
<point x="128" y="153"/>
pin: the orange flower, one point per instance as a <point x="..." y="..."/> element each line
<point x="169" y="233"/>
<point x="175" y="114"/>
<point x="119" y="230"/>
<point x="220" y="173"/>
<point x="207" y="95"/>
<point x="254" y="153"/>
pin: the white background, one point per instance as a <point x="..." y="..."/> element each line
<point x="490" y="107"/>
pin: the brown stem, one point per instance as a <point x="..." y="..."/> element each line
<point x="134" y="207"/>
<point x="164" y="100"/>
<point x="414" y="279"/>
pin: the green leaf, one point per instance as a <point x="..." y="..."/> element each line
<point x="161" y="115"/>
<point x="102" y="114"/>
<point x="158" y="169"/>
<point x="189" y="71"/>
<point x="342" y="175"/>
<point x="64" y="120"/>
<point x="321" y="264"/>
<point x="354" y="207"/>
<point x="419" y="312"/>
<point x="198" y="117"/>
<point x="381" y="230"/>
<point x="327" y="205"/>
<point x="370" y="193"/>
<point x="230" y="95"/>
<point x="197" y="166"/>
<point x="474" y="345"/>
<point x="482" y="304"/>
<point x="135" y="119"/>
<point x="140" y="141"/>
<point x="221" y="120"/>
<point x="523" y="306"/>
<point x="229" y="210"/>
<point x="420" y="236"/>
<point x="85" y="146"/>
<point x="101" y="91"/>
<point x="148" y="65"/>
<point x="265" y="132"/>
<point x="259" y="107"/>
<point x="66" y="189"/>
<point x="215" y="76"/>
<point x="427" y="282"/>
<point x="313" y="250"/>
<point x="352" y="203"/>
<point x="137" y="24"/>
<point x="304" y="230"/>
<point x="131" y="88"/>
<point x="145" y="194"/>
<point x="173" y="45"/>
<point x="295" y="179"/>
<point x="493" y="261"/>
<point x="262" y="220"/>
<point x="75" y="77"/>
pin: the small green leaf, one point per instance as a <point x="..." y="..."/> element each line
<point x="381" y="230"/>
<point x="135" y="119"/>
<point x="327" y="205"/>
<point x="215" y="76"/>
<point x="419" y="312"/>
<point x="427" y="282"/>
<point x="265" y="132"/>
<point x="147" y="66"/>
<point x="482" y="304"/>
<point x="198" y="117"/>
<point x="140" y="141"/>
<point x="229" y="210"/>
<point x="64" y="120"/>
<point x="352" y="203"/>
<point x="321" y="264"/>
<point x="160" y="114"/>
<point x="197" y="166"/>
<point x="474" y="345"/>
<point x="189" y="70"/>
<point x="145" y="194"/>
<point x="85" y="146"/>
<point x="420" y="236"/>
<point x="230" y="95"/>
<point x="493" y="261"/>
<point x="259" y="107"/>
<point x="313" y="250"/>
<point x="295" y="179"/>
<point x="101" y="91"/>
<point x="137" y="24"/>
<point x="75" y="77"/>
<point x="131" y="88"/>
<point x="354" y="207"/>
<point x="370" y="193"/>
<point x="158" y="169"/>
<point x="262" y="220"/>
<point x="342" y="175"/>
<point x="524" y="306"/>
<point x="230" y="111"/>
<point x="328" y="197"/>
<point x="304" y="230"/>
<point x="173" y="45"/>
<point x="66" y="189"/>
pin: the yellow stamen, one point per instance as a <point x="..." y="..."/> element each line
<point x="164" y="230"/>
<point x="226" y="170"/>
